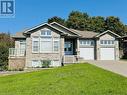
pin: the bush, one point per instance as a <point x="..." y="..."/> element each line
<point x="6" y="42"/>
<point x="46" y="63"/>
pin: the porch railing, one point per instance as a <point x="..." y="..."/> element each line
<point x="15" y="52"/>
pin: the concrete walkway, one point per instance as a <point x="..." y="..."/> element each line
<point x="119" y="67"/>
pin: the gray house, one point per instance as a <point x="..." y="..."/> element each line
<point x="59" y="44"/>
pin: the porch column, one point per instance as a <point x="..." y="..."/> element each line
<point x="117" y="49"/>
<point x="77" y="50"/>
<point x="97" y="50"/>
<point x="62" y="46"/>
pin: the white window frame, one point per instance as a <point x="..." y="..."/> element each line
<point x="87" y="42"/>
<point x="35" y="39"/>
<point x="22" y="42"/>
<point x="42" y="40"/>
<point x="56" y="40"/>
<point x="45" y="31"/>
<point x="39" y="39"/>
<point x="107" y="42"/>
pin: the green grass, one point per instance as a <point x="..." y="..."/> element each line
<point x="77" y="79"/>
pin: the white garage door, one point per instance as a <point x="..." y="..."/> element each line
<point x="87" y="53"/>
<point x="107" y="54"/>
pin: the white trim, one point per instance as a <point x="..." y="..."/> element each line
<point x="64" y="27"/>
<point x="107" y="42"/>
<point x="68" y="52"/>
<point x="33" y="39"/>
<point x="52" y="42"/>
<point x="87" y="43"/>
<point x="45" y="30"/>
<point x="43" y="25"/>
<point x="106" y="32"/>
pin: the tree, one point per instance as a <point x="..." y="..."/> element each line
<point x="97" y="24"/>
<point x="56" y="19"/>
<point x="125" y="29"/>
<point x="77" y="20"/>
<point x="6" y="42"/>
<point x="82" y="21"/>
<point x="114" y="24"/>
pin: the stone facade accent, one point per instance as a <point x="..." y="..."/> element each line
<point x="16" y="63"/>
<point x="41" y="56"/>
<point x="115" y="46"/>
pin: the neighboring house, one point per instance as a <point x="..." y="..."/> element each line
<point x="124" y="42"/>
<point x="59" y="44"/>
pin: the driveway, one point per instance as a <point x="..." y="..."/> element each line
<point x="119" y="67"/>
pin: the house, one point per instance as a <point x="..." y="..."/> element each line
<point x="59" y="44"/>
<point x="124" y="44"/>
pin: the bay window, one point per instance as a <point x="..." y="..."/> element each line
<point x="45" y="44"/>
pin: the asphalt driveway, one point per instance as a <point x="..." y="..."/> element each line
<point x="119" y="67"/>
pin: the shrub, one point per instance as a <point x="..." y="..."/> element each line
<point x="46" y="63"/>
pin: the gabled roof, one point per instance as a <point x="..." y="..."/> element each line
<point x="124" y="36"/>
<point x="85" y="34"/>
<point x="64" y="28"/>
<point x="41" y="25"/>
<point x="18" y="35"/>
<point x="107" y="32"/>
<point x="64" y="31"/>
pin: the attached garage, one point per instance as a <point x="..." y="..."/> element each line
<point x="87" y="53"/>
<point x="107" y="54"/>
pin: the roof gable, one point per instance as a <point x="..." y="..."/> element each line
<point x="29" y="31"/>
<point x="63" y="28"/>
<point x="108" y="31"/>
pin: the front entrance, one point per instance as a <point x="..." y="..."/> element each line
<point x="68" y="48"/>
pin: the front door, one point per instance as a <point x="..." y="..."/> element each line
<point x="68" y="48"/>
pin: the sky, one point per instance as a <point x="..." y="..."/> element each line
<point x="29" y="13"/>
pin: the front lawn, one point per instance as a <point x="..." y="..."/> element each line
<point x="77" y="79"/>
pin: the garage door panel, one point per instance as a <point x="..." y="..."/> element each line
<point x="107" y="54"/>
<point x="87" y="53"/>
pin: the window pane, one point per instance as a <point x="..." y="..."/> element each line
<point x="23" y="44"/>
<point x="43" y="32"/>
<point x="92" y="42"/>
<point x="46" y="44"/>
<point x="80" y="42"/>
<point x="105" y="42"/>
<point x="35" y="46"/>
<point x="87" y="42"/>
<point x="56" y="45"/>
<point x="112" y="42"/>
<point x="48" y="32"/>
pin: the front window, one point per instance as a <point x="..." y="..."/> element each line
<point x="46" y="44"/>
<point x="22" y="44"/>
<point x="56" y="44"/>
<point x="35" y="45"/>
<point x="45" y="32"/>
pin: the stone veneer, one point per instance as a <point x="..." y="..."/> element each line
<point x="16" y="63"/>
